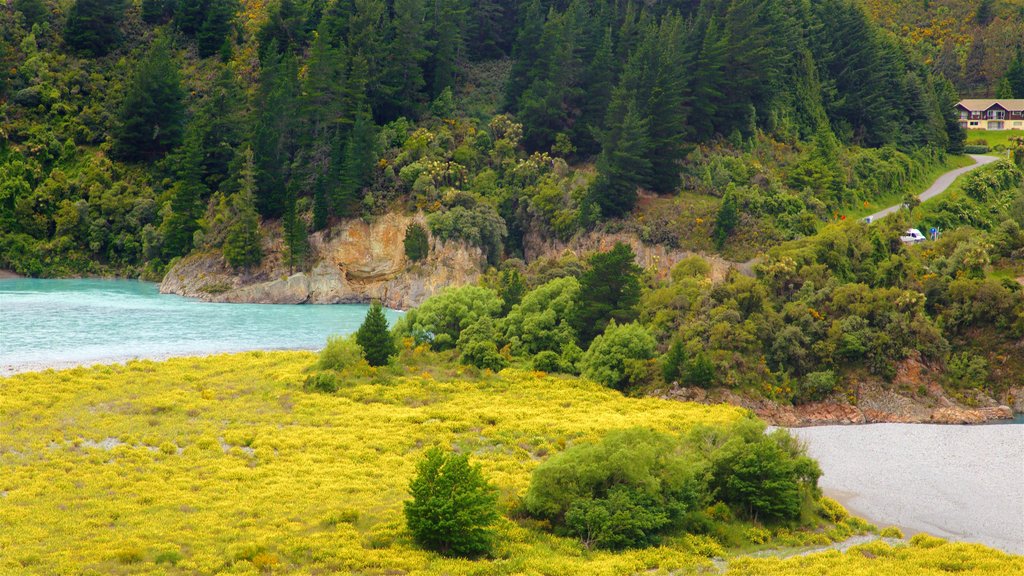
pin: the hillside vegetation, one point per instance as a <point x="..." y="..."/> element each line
<point x="228" y="464"/>
<point x="134" y="133"/>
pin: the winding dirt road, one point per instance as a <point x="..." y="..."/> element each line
<point x="940" y="185"/>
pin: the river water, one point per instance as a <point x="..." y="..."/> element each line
<point x="59" y="323"/>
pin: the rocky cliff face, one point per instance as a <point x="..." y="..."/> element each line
<point x="354" y="262"/>
<point x="649" y="256"/>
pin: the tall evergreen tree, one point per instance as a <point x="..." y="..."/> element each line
<point x="187" y="198"/>
<point x="156" y="11"/>
<point x="446" y="35"/>
<point x="151" y="117"/>
<point x="274" y="134"/>
<point x="296" y="238"/>
<point x="220" y="115"/>
<point x="1015" y="75"/>
<point x="33" y="11"/>
<point x="374" y="338"/>
<point x="407" y="52"/>
<point x="189" y="15"/>
<point x="216" y="26"/>
<point x="609" y="290"/>
<point x="976" y="78"/>
<point x="623" y="165"/>
<point x="242" y="246"/>
<point x="357" y="163"/>
<point x="93" y="26"/>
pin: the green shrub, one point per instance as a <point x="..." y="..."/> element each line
<point x="452" y="507"/>
<point x="816" y="386"/>
<point x="700" y="371"/>
<point x="764" y="477"/>
<point x="441" y="319"/>
<point x="673" y="363"/>
<point x="619" y="357"/>
<point x="620" y="492"/>
<point x="547" y="361"/>
<point x="891" y="532"/>
<point x="341" y="352"/>
<point x="417" y="244"/>
<point x="476" y="343"/>
<point x="541" y="321"/>
<point x="322" y="382"/>
<point x="832" y="510"/>
<point x="966" y="370"/>
<point x="976" y="149"/>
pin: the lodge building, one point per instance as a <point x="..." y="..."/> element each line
<point x="991" y="114"/>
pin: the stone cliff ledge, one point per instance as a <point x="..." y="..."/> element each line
<point x="353" y="262"/>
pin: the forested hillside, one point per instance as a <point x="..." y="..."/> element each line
<point x="136" y="132"/>
<point x="976" y="44"/>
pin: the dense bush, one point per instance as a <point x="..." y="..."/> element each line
<point x="341" y="352"/>
<point x="621" y="492"/>
<point x="764" y="477"/>
<point x="477" y="345"/>
<point x="541" y="321"/>
<point x="441" y="319"/>
<point x="619" y="357"/>
<point x="453" y="506"/>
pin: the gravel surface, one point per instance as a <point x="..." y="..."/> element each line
<point x="963" y="483"/>
<point x="940" y="185"/>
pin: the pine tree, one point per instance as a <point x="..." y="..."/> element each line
<point x="358" y="159"/>
<point x="623" y="164"/>
<point x="728" y="218"/>
<point x="295" y="237"/>
<point x="186" y="202"/>
<point x="1015" y="75"/>
<point x="446" y="37"/>
<point x="216" y="26"/>
<point x="189" y="15"/>
<point x="452" y="507"/>
<point x="975" y="75"/>
<point x="93" y="26"/>
<point x="609" y="290"/>
<point x="221" y="118"/>
<point x="374" y="338"/>
<point x="274" y="134"/>
<point x="155" y="11"/>
<point x="33" y="11"/>
<point x="242" y="246"/>
<point x="403" y="74"/>
<point x="151" y="117"/>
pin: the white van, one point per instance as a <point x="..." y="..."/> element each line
<point x="912" y="236"/>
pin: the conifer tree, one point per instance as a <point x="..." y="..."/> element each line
<point x="189" y="15"/>
<point x="186" y="202"/>
<point x="33" y="11"/>
<point x="242" y="246"/>
<point x="274" y="134"/>
<point x="216" y="25"/>
<point x="609" y="290"/>
<point x="728" y="218"/>
<point x="92" y="27"/>
<point x="374" y="338"/>
<point x="357" y="164"/>
<point x="151" y="117"/>
<point x="295" y="237"/>
<point x="623" y="164"/>
<point x="221" y="118"/>
<point x="1015" y="76"/>
<point x="407" y="52"/>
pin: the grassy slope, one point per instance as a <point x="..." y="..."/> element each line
<point x="226" y="464"/>
<point x="994" y="138"/>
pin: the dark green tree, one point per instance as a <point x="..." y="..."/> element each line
<point x="242" y="247"/>
<point x="187" y="200"/>
<point x="416" y="243"/>
<point x="156" y="11"/>
<point x="189" y="15"/>
<point x="700" y="371"/>
<point x="1015" y="75"/>
<point x="673" y="364"/>
<point x="296" y="238"/>
<point x="151" y="117"/>
<point x="216" y="26"/>
<point x="408" y="50"/>
<point x="623" y="164"/>
<point x="609" y="289"/>
<point x="453" y="506"/>
<point x="727" y="219"/>
<point x="93" y="26"/>
<point x="374" y="338"/>
<point x="33" y="11"/>
<point x="359" y="157"/>
<point x="274" y="140"/>
<point x="511" y="288"/>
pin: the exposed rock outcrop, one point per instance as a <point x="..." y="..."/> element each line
<point x="650" y="256"/>
<point x="354" y="262"/>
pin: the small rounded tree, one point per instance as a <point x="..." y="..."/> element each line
<point x="452" y="507"/>
<point x="374" y="338"/>
<point x="417" y="244"/>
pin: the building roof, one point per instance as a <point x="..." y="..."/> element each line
<point x="985" y="104"/>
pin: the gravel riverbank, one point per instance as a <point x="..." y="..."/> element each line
<point x="963" y="483"/>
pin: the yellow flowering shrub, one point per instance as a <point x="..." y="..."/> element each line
<point x="226" y="464"/>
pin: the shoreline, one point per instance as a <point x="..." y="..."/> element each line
<point x="9" y="275"/>
<point x="925" y="478"/>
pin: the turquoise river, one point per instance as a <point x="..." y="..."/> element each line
<point x="59" y="323"/>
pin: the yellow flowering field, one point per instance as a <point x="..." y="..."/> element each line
<point x="226" y="465"/>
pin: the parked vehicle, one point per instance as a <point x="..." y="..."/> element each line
<point x="912" y="236"/>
